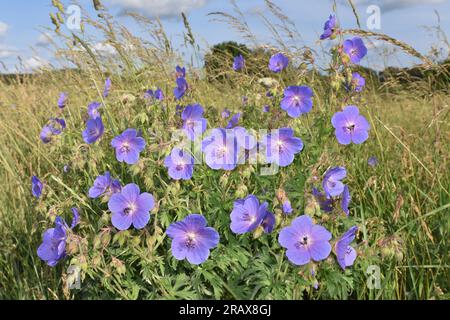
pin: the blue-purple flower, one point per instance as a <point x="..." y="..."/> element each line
<point x="93" y="110"/>
<point x="346" y="254"/>
<point x="278" y="62"/>
<point x="358" y="82"/>
<point x="345" y="201"/>
<point x="154" y="95"/>
<point x="297" y="100"/>
<point x="372" y="161"/>
<point x="180" y="72"/>
<point x="329" y="28"/>
<point x="233" y="122"/>
<point x="248" y="214"/>
<point x="36" y="187"/>
<point x="54" y="126"/>
<point x="104" y="185"/>
<point x="305" y="241"/>
<point x="62" y="100"/>
<point x="238" y="63"/>
<point x="94" y="130"/>
<point x="325" y="203"/>
<point x="221" y="149"/>
<point x="281" y="146"/>
<point x="180" y="164"/>
<point x="332" y="183"/>
<point x="107" y="87"/>
<point x="355" y="49"/>
<point x="286" y="206"/>
<point x="130" y="207"/>
<point x="192" y="239"/>
<point x="193" y="122"/>
<point x="350" y="126"/>
<point x="181" y="88"/>
<point x="53" y="246"/>
<point x="128" y="146"/>
<point x="225" y="113"/>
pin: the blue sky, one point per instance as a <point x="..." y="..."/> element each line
<point x="23" y="21"/>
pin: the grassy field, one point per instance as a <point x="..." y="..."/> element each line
<point x="401" y="206"/>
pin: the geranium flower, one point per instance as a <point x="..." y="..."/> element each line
<point x="36" y="187"/>
<point x="180" y="164"/>
<point x="278" y="62"/>
<point x="193" y="122"/>
<point x="62" y="100"/>
<point x="192" y="239"/>
<point x="93" y="110"/>
<point x="130" y="207"/>
<point x="332" y="181"/>
<point x="128" y="145"/>
<point x="350" y="126"/>
<point x="104" y="185"/>
<point x="94" y="130"/>
<point x="238" y="63"/>
<point x="181" y="88"/>
<point x="305" y="241"/>
<point x="346" y="255"/>
<point x="248" y="214"/>
<point x="281" y="146"/>
<point x="329" y="28"/>
<point x="355" y="49"/>
<point x="297" y="100"/>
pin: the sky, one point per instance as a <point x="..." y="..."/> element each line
<point x="24" y="47"/>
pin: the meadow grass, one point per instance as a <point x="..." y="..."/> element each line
<point x="402" y="205"/>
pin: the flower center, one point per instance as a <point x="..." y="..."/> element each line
<point x="190" y="240"/>
<point x="125" y="148"/>
<point x="353" y="52"/>
<point x="303" y="242"/>
<point x="130" y="209"/>
<point x="220" y="152"/>
<point x="350" y="128"/>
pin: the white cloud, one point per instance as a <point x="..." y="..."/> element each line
<point x="160" y="8"/>
<point x="34" y="63"/>
<point x="104" y="48"/>
<point x="7" y="51"/>
<point x="388" y="5"/>
<point x="3" y="28"/>
<point x="44" y="39"/>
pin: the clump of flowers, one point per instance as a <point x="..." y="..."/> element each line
<point x="53" y="247"/>
<point x="104" y="185"/>
<point x="248" y="214"/>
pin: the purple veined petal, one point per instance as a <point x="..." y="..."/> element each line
<point x="319" y="233"/>
<point x="320" y="250"/>
<point x="75" y="218"/>
<point x="287" y="237"/>
<point x="140" y="218"/>
<point x="268" y="222"/>
<point x="350" y="256"/>
<point x="198" y="255"/>
<point x="345" y="201"/>
<point x="359" y="136"/>
<point x="121" y="220"/>
<point x="177" y="230"/>
<point x="117" y="203"/>
<point x="145" y="202"/>
<point x="196" y="221"/>
<point x="302" y="224"/>
<point x="179" y="249"/>
<point x="298" y="256"/>
<point x="209" y="237"/>
<point x="131" y="192"/>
